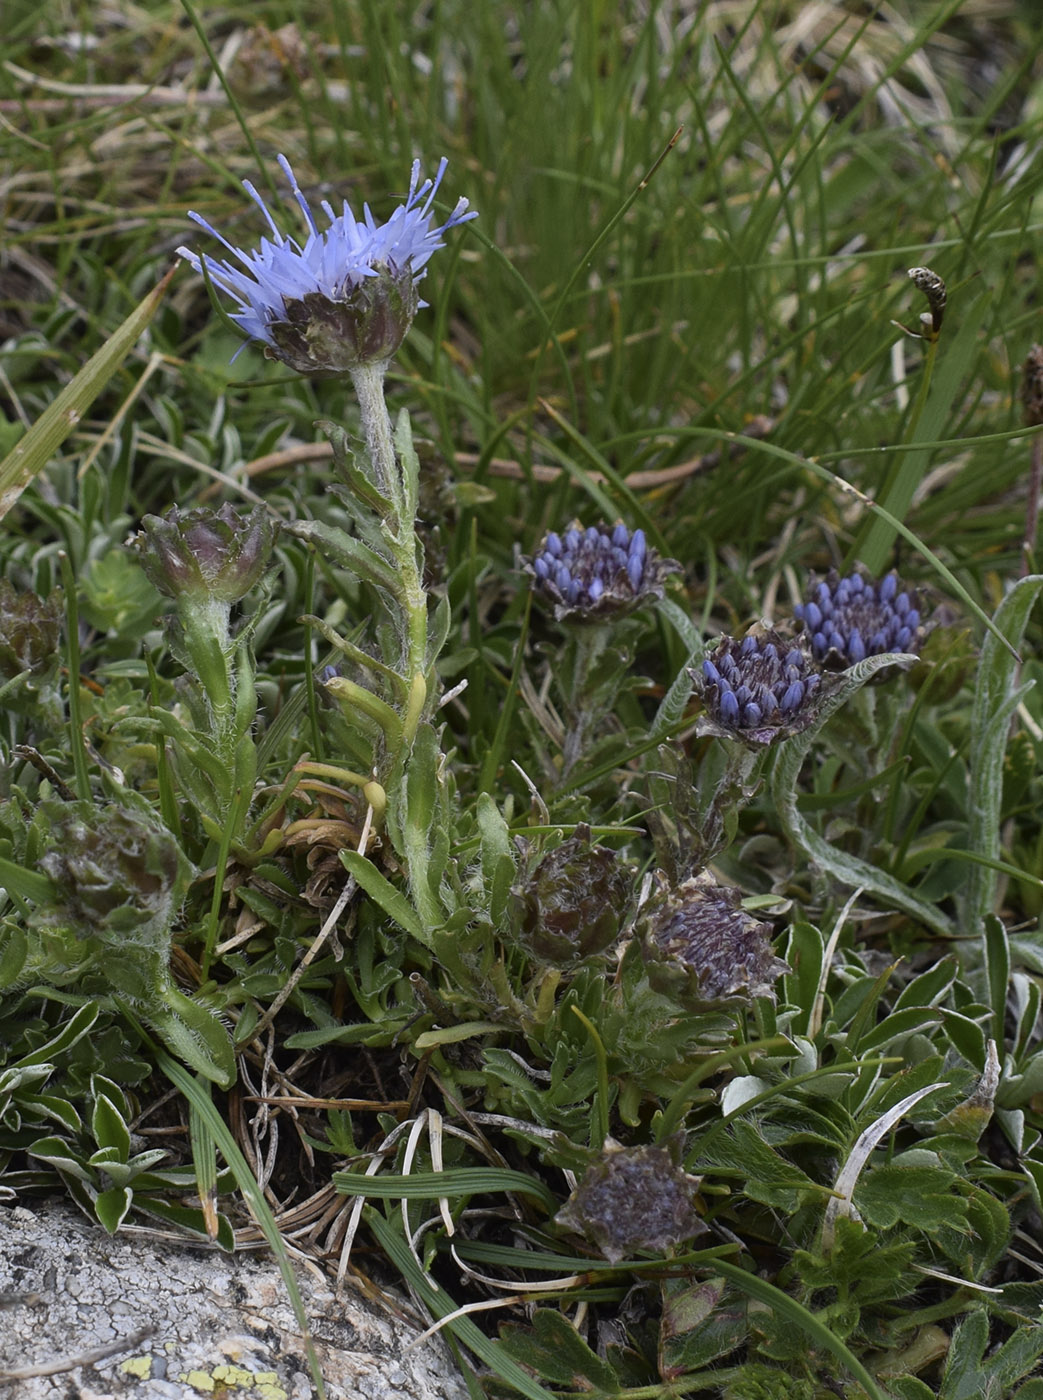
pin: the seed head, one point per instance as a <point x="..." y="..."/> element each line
<point x="702" y="948"/>
<point x="633" y="1198"/>
<point x="934" y="290"/>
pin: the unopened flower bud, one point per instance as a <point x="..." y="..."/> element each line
<point x="847" y="619"/>
<point x="599" y="573"/>
<point x="573" y="904"/>
<point x="29" y="630"/>
<point x="759" y="688"/>
<point x="206" y="554"/>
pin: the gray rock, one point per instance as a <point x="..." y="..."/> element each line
<point x="180" y="1323"/>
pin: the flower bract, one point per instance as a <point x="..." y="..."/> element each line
<point x="346" y="295"/>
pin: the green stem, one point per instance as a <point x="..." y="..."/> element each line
<point x="584" y="710"/>
<point x="72" y="643"/>
<point x="368" y="381"/>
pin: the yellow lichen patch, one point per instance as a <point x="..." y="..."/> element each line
<point x="199" y="1380"/>
<point x="140" y="1366"/>
<point x="225" y="1378"/>
<point x="233" y="1375"/>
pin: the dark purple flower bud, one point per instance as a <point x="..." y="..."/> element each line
<point x="206" y="554"/>
<point x="602" y="573"/>
<point x="792" y="698"/>
<point x="1032" y="387"/>
<point x="756" y="689"/>
<point x="847" y="619"/>
<point x="701" y="948"/>
<point x="573" y="903"/>
<point x="118" y="872"/>
<point x="633" y="1198"/>
<point x="29" y="631"/>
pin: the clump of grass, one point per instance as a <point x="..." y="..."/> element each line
<point x="515" y="907"/>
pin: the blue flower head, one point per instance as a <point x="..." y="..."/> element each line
<point x="847" y="619"/>
<point x="598" y="574"/>
<point x="347" y="295"/>
<point x="758" y="689"/>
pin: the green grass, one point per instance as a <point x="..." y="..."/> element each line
<point x="677" y="309"/>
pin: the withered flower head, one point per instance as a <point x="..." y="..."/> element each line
<point x="758" y="689"/>
<point x="701" y="947"/>
<point x="847" y="619"/>
<point x="206" y="554"/>
<point x="633" y="1198"/>
<point x="573" y="903"/>
<point x="933" y="288"/>
<point x="599" y="573"/>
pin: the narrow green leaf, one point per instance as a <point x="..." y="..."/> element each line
<point x="33" y="452"/>
<point x="993" y="703"/>
<point x="73" y="1030"/>
<point x="199" y="1099"/>
<point x="498" y="866"/>
<point x="383" y="893"/>
<point x="460" y="1181"/>
<point x="997" y="969"/>
<point x="440" y="1305"/>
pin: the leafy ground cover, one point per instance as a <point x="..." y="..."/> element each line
<point x="629" y="942"/>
